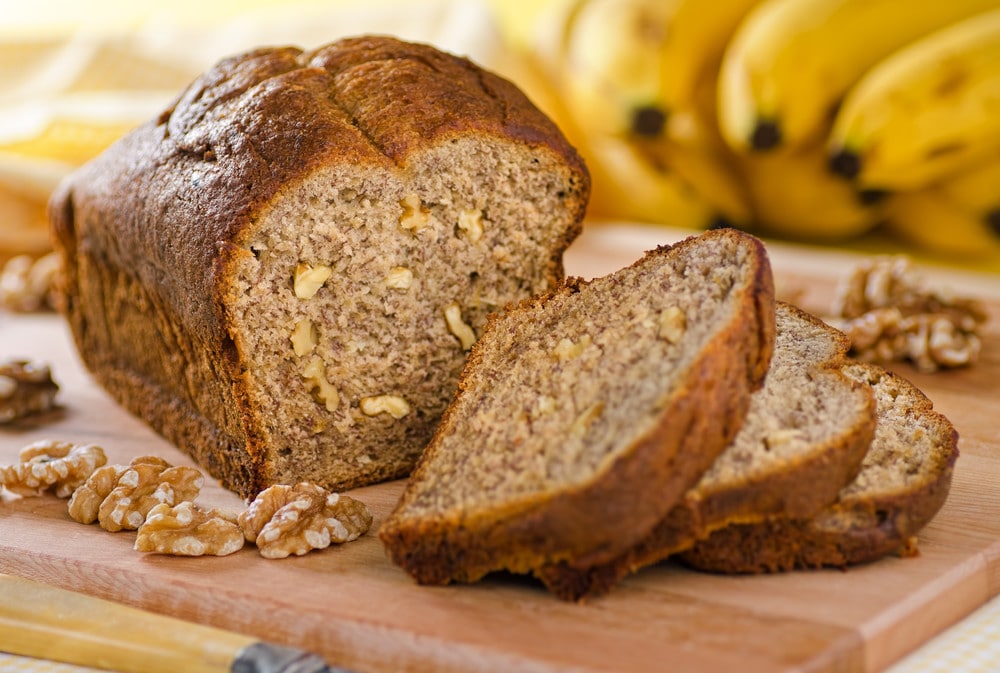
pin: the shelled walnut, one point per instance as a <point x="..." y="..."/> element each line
<point x="285" y="520"/>
<point x="49" y="464"/>
<point x="26" y="283"/>
<point x="120" y="496"/>
<point x="457" y="325"/>
<point x="25" y="388"/>
<point x="416" y="216"/>
<point x="889" y="313"/>
<point x="186" y="529"/>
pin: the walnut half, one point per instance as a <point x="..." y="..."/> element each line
<point x="285" y="520"/>
<point x="51" y="464"/>
<point x="25" y="388"/>
<point x="889" y="314"/>
<point x="186" y="529"/>
<point x="26" y="283"/>
<point x="120" y="496"/>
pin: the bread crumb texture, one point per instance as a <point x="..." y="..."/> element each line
<point x="913" y="444"/>
<point x="904" y="481"/>
<point x="279" y="246"/>
<point x="566" y="382"/>
<point x="804" y="404"/>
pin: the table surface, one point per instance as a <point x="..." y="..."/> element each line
<point x="871" y="617"/>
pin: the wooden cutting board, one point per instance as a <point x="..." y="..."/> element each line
<point x="352" y="606"/>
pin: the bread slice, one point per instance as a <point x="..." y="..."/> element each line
<point x="284" y="272"/>
<point x="803" y="439"/>
<point x="584" y="414"/>
<point x="903" y="482"/>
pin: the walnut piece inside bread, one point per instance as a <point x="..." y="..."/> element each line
<point x="256" y="269"/>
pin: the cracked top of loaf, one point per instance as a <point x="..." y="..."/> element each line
<point x="283" y="272"/>
<point x="256" y="122"/>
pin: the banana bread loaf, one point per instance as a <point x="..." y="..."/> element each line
<point x="284" y="272"/>
<point x="584" y="414"/>
<point x="903" y="482"/>
<point x="804" y="437"/>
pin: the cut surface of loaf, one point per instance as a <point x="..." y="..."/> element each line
<point x="283" y="273"/>
<point x="803" y="439"/>
<point x="582" y="415"/>
<point x="903" y="482"/>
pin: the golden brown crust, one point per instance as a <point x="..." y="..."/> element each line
<point x="598" y="520"/>
<point x="150" y="229"/>
<point x="860" y="527"/>
<point x="842" y="538"/>
<point x="805" y="484"/>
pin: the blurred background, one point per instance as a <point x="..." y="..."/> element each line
<point x="870" y="125"/>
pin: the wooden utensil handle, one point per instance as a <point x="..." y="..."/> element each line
<point x="42" y="621"/>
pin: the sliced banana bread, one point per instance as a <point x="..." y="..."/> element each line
<point x="803" y="439"/>
<point x="584" y="414"/>
<point x="284" y="272"/>
<point x="903" y="482"/>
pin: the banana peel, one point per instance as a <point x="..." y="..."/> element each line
<point x="934" y="223"/>
<point x="793" y="195"/>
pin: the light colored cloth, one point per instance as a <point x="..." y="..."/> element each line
<point x="971" y="646"/>
<point x="11" y="663"/>
<point x="66" y="92"/>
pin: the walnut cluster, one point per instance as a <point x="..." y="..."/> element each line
<point x="285" y="520"/>
<point x="26" y="283"/>
<point x="119" y="497"/>
<point x="157" y="499"/>
<point x="25" y="388"/>
<point x="889" y="313"/>
<point x="51" y="465"/>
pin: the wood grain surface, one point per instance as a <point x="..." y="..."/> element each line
<point x="352" y="606"/>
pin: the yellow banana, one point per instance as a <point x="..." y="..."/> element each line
<point x="790" y="62"/>
<point x="795" y="196"/>
<point x="612" y="66"/>
<point x="957" y="216"/>
<point x="692" y="49"/>
<point x="603" y="59"/>
<point x="936" y="225"/>
<point x="708" y="170"/>
<point x="627" y="65"/>
<point x="928" y="110"/>
<point x="976" y="188"/>
<point x="626" y="185"/>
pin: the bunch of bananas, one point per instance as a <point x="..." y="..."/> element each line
<point x="813" y="119"/>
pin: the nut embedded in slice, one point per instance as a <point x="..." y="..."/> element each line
<point x="303" y="337"/>
<point x="309" y="279"/>
<point x="567" y="349"/>
<point x="394" y="405"/>
<point x="457" y="326"/>
<point x="399" y="278"/>
<point x="672" y="324"/>
<point x="323" y="390"/>
<point x="470" y="221"/>
<point x="415" y="217"/>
